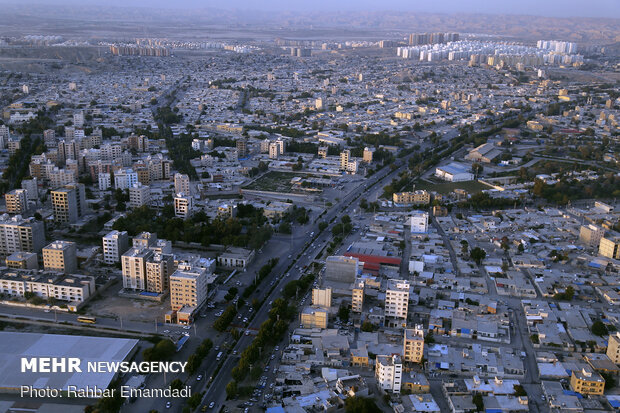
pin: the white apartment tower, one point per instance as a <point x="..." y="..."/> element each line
<point x="181" y="184"/>
<point x="397" y="301"/>
<point x="389" y="372"/>
<point x="139" y="195"/>
<point x="115" y="243"/>
<point x="134" y="268"/>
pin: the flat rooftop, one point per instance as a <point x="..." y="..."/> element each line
<point x="14" y="346"/>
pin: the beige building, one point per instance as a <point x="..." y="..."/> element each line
<point x="610" y="247"/>
<point x="419" y="197"/>
<point x="314" y="317"/>
<point x="182" y="205"/>
<point x="322" y="297"/>
<point x="613" y="347"/>
<point x="158" y="271"/>
<point x="357" y="296"/>
<point x="591" y="235"/>
<point x="69" y="203"/>
<point x="139" y="195"/>
<point x="60" y="256"/>
<point x="587" y="381"/>
<point x="368" y="154"/>
<point x="181" y="184"/>
<point x="188" y="287"/>
<point x="18" y="234"/>
<point x="16" y="201"/>
<point x="71" y="288"/>
<point x="23" y="260"/>
<point x="413" y="344"/>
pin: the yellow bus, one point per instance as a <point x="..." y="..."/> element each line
<point x="87" y="319"/>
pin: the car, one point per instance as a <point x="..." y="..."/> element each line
<point x="266" y="368"/>
<point x="543" y="398"/>
<point x="277" y="348"/>
<point x="168" y="405"/>
<point x="271" y="385"/>
<point x="270" y="302"/>
<point x="217" y="348"/>
<point x="211" y="405"/>
<point x="247" y="332"/>
<point x="273" y="356"/>
<point x="186" y="327"/>
<point x="275" y="370"/>
<point x="199" y="377"/>
<point x="234" y="352"/>
<point x="245" y="320"/>
<point x="166" y="331"/>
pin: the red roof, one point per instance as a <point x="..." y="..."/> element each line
<point x="375" y="259"/>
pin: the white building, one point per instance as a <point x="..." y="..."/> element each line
<point x="389" y="372"/>
<point x="181" y="184"/>
<point x="134" y="268"/>
<point x="125" y="178"/>
<point x="419" y="222"/>
<point x="139" y="195"/>
<point x="397" y="301"/>
<point x="18" y="234"/>
<point x="182" y="206"/>
<point x="104" y="181"/>
<point x="115" y="243"/>
<point x="454" y="172"/>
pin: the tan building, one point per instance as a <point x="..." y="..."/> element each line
<point x="322" y="297"/>
<point x="413" y="344"/>
<point x="23" y="260"/>
<point x="591" y="235"/>
<point x="18" y="234"/>
<point x="613" y="347"/>
<point x="610" y="247"/>
<point x="69" y="203"/>
<point x="16" y="201"/>
<point x="419" y="197"/>
<point x="134" y="267"/>
<point x="323" y="150"/>
<point x="181" y="184"/>
<point x="60" y="256"/>
<point x="158" y="271"/>
<point x="357" y="296"/>
<point x="368" y="154"/>
<point x="587" y="381"/>
<point x="188" y="287"/>
<point x="314" y="317"/>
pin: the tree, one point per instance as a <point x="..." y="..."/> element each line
<point x="478" y="401"/>
<point x="429" y="338"/>
<point x="343" y="312"/>
<point x="367" y="326"/>
<point x="176" y="384"/>
<point x="231" y="389"/>
<point x="322" y="225"/>
<point x="520" y="391"/>
<point x="476" y="168"/>
<point x="478" y="254"/>
<point x="360" y="405"/>
<point x="599" y="328"/>
<point x="610" y="380"/>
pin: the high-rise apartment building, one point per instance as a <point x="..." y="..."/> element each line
<point x="182" y="206"/>
<point x="18" y="234"/>
<point x="16" y="201"/>
<point x="357" y="296"/>
<point x="322" y="297"/>
<point x="69" y="203"/>
<point x="343" y="269"/>
<point x="397" y="301"/>
<point x="389" y="373"/>
<point x="609" y="247"/>
<point x="115" y="243"/>
<point x="188" y="286"/>
<point x="159" y="268"/>
<point x="181" y="184"/>
<point x="413" y="344"/>
<point x="613" y="347"/>
<point x="134" y="268"/>
<point x="125" y="178"/>
<point x="591" y="235"/>
<point x="242" y="148"/>
<point x="60" y="256"/>
<point x="139" y="195"/>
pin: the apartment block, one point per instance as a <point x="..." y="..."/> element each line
<point x="609" y="247"/>
<point x="188" y="286"/>
<point x="16" y="201"/>
<point x="69" y="203"/>
<point x="357" y="296"/>
<point x="322" y="297"/>
<point x="397" y="301"/>
<point x="23" y="260"/>
<point x="115" y="243"/>
<point x="71" y="288"/>
<point x="591" y="235"/>
<point x="182" y="206"/>
<point x="314" y="317"/>
<point x="139" y="195"/>
<point x="587" y="381"/>
<point x="413" y="344"/>
<point x="389" y="373"/>
<point x="60" y="256"/>
<point x="18" y="234"/>
<point x="613" y="347"/>
<point x="181" y="184"/>
<point x="340" y="268"/>
<point x="419" y="197"/>
<point x="134" y="268"/>
<point x="158" y="271"/>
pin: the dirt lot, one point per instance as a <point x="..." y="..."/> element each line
<point x="113" y="306"/>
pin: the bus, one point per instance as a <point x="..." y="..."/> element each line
<point x="87" y="319"/>
<point x="219" y="356"/>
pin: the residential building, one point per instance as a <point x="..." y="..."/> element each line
<point x="115" y="243"/>
<point x="158" y="271"/>
<point x="139" y="195"/>
<point x="274" y="150"/>
<point x="188" y="286"/>
<point x="587" y="381"/>
<point x="314" y="317"/>
<point x="357" y="296"/>
<point x="419" y="197"/>
<point x="397" y="301"/>
<point x="125" y="178"/>
<point x="322" y="297"/>
<point x="70" y="288"/>
<point x="344" y="159"/>
<point x="591" y="235"/>
<point x="413" y="344"/>
<point x="18" y="234"/>
<point x="368" y="154"/>
<point x="104" y="180"/>
<point x="32" y="188"/>
<point x="235" y="257"/>
<point x="16" y="201"/>
<point x="69" y="203"/>
<point x="613" y="347"/>
<point x="182" y="206"/>
<point x="609" y="247"/>
<point x="340" y="268"/>
<point x="389" y="372"/>
<point x="419" y="222"/>
<point x="134" y="268"/>
<point x="23" y="260"/>
<point x="242" y="147"/>
<point x="144" y="240"/>
<point x="60" y="256"/>
<point x="181" y="184"/>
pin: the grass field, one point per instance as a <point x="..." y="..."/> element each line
<point x="446" y="187"/>
<point x="273" y="181"/>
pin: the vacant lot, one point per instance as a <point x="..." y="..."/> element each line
<point x="273" y="181"/>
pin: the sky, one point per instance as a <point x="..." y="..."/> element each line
<point x="552" y="8"/>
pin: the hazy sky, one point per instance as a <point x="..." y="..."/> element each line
<point x="557" y="8"/>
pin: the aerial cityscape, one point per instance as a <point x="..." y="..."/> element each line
<point x="238" y="208"/>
